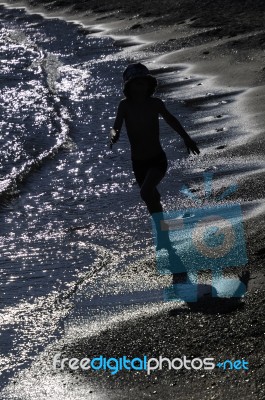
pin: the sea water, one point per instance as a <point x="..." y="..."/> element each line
<point x="58" y="93"/>
<point x="70" y="213"/>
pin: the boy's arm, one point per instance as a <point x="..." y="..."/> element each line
<point x="117" y="123"/>
<point x="176" y="125"/>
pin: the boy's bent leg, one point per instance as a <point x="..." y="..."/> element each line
<point x="149" y="192"/>
<point x="151" y="197"/>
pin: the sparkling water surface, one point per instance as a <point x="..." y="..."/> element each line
<point x="58" y="97"/>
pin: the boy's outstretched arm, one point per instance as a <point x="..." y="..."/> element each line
<point x="117" y="123"/>
<point x="176" y="125"/>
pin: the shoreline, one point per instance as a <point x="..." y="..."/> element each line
<point x="144" y="334"/>
<point x="223" y="56"/>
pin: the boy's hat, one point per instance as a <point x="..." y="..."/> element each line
<point x="137" y="70"/>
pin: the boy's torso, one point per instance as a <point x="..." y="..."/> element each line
<point x="142" y="124"/>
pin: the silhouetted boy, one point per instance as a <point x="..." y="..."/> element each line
<point x="141" y="111"/>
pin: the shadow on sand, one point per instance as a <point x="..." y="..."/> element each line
<point x="208" y="301"/>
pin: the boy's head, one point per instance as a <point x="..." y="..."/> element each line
<point x="137" y="79"/>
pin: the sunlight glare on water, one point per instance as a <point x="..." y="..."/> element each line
<point x="58" y="96"/>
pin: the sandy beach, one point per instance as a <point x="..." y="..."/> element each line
<point x="224" y="42"/>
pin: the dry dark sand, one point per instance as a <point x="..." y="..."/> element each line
<point x="225" y="39"/>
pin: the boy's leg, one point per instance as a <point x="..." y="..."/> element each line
<point x="148" y="179"/>
<point x="148" y="174"/>
<point x="151" y="197"/>
<point x="149" y="192"/>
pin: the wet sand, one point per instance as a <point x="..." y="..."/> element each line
<point x="226" y="41"/>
